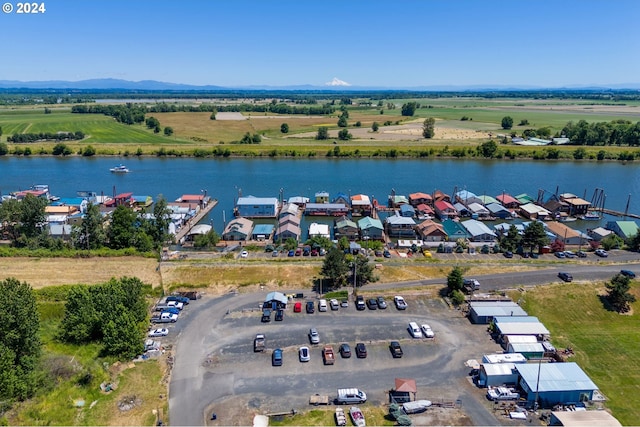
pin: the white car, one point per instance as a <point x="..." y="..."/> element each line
<point x="427" y="331"/>
<point x="414" y="330"/>
<point x="314" y="337"/>
<point x="401" y="304"/>
<point x="334" y="304"/>
<point x="160" y="332"/>
<point x="304" y="354"/>
<point x="175" y="304"/>
<point x="244" y="254"/>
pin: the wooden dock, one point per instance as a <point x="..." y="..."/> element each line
<point x="618" y="213"/>
<point x="204" y="211"/>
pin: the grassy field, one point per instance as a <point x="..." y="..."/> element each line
<point x="197" y="134"/>
<point x="605" y="343"/>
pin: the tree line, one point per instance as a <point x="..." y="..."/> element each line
<point x="46" y="136"/>
<point x="23" y="224"/>
<point x="128" y="113"/>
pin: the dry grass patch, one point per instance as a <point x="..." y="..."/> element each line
<point x="42" y="272"/>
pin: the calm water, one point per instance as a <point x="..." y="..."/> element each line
<point x="224" y="178"/>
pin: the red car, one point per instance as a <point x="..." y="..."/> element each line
<point x="297" y="307"/>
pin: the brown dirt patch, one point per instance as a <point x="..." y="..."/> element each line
<point x="42" y="272"/>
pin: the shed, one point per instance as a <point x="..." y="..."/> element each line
<point x="504" y="358"/>
<point x="583" y="419"/>
<point x="555" y="383"/>
<point x="275" y="300"/>
<point x="407" y="211"/>
<point x="485" y="311"/>
<point x="518" y="339"/>
<point x="405" y="388"/>
<point x="515" y="319"/>
<point x="257" y="207"/>
<point x="522" y="328"/>
<point x="497" y="374"/>
<point x="262" y="231"/>
<point x="530" y="350"/>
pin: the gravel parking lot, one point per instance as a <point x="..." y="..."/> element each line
<point x="217" y="371"/>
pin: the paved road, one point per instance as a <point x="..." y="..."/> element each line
<point x="214" y="360"/>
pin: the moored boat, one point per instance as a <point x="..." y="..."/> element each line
<point x="341" y="419"/>
<point x="591" y="216"/>
<point x="357" y="417"/>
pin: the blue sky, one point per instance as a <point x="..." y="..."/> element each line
<point x="390" y="43"/>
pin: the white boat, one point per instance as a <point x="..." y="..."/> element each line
<point x="341" y="419"/>
<point x="357" y="417"/>
<point x="120" y="169"/>
<point x="591" y="216"/>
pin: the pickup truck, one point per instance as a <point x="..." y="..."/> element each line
<point x="502" y="393"/>
<point x="328" y="356"/>
<point x="258" y="343"/>
<point x="471" y="285"/>
<point x="165" y="317"/>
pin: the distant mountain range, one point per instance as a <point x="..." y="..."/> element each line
<point x="335" y="85"/>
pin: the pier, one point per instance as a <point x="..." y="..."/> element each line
<point x="618" y="213"/>
<point x="204" y="211"/>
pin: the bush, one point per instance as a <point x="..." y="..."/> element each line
<point x="457" y="297"/>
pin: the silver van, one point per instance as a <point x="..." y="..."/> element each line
<point x="347" y="396"/>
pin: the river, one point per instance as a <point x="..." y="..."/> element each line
<point x="224" y="179"/>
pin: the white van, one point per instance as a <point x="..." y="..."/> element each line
<point x="414" y="330"/>
<point x="322" y="305"/>
<point x="348" y="396"/>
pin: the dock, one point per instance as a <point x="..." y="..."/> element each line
<point x="204" y="211"/>
<point x="618" y="213"/>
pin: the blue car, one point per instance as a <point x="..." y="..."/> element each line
<point x="628" y="273"/>
<point x="291" y="253"/>
<point x="276" y="357"/>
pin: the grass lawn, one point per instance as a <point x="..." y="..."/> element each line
<point x="605" y="343"/>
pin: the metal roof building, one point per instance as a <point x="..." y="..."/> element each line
<point x="504" y="358"/>
<point x="257" y="207"/>
<point x="485" y="311"/>
<point x="479" y="231"/>
<point x="497" y="374"/>
<point x="522" y="328"/>
<point x="499" y="211"/>
<point x="554" y="383"/>
<point x="530" y="350"/>
<point x="262" y="231"/>
<point x="583" y="418"/>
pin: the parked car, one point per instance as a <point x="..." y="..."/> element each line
<point x="400" y="302"/>
<point x="310" y="307"/>
<point x="628" y="273"/>
<point x="298" y="252"/>
<point x="297" y="307"/>
<point x="372" y="304"/>
<point x="244" y="254"/>
<point x="382" y="304"/>
<point x="178" y="298"/>
<point x="361" y="350"/>
<point x="322" y="305"/>
<point x="314" y="252"/>
<point x="303" y="354"/>
<point x="601" y="253"/>
<point x="386" y="254"/>
<point x="291" y="253"/>
<point x="275" y="253"/>
<point x="534" y="255"/>
<point x="559" y="254"/>
<point x="175" y="304"/>
<point x="314" y="337"/>
<point x="508" y="254"/>
<point x="427" y="331"/>
<point x="565" y="276"/>
<point x="581" y="254"/>
<point x="414" y="330"/>
<point x="173" y="310"/>
<point x="266" y="315"/>
<point x="377" y="253"/>
<point x="396" y="350"/>
<point x="322" y="252"/>
<point x="276" y="357"/>
<point x="344" y="303"/>
<point x="569" y="254"/>
<point x="161" y="332"/>
<point x="345" y="351"/>
<point x="360" y="305"/>
<point x="334" y="304"/>
<point x="279" y="315"/>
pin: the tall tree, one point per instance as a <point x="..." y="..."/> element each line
<point x="323" y="133"/>
<point x="512" y="240"/>
<point x="375" y="126"/>
<point x="284" y="128"/>
<point x="534" y="236"/>
<point x="32" y="215"/>
<point x="507" y="122"/>
<point x="168" y="131"/>
<point x="429" y="127"/>
<point x="90" y="233"/>
<point x="158" y="226"/>
<point x="344" y="135"/>
<point x="409" y="109"/>
<point x="363" y="271"/>
<point x="122" y="230"/>
<point x="20" y="346"/>
<point x="123" y="336"/>
<point x="618" y="293"/>
<point x="455" y="279"/>
<point x="81" y="322"/>
<point x="335" y="268"/>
